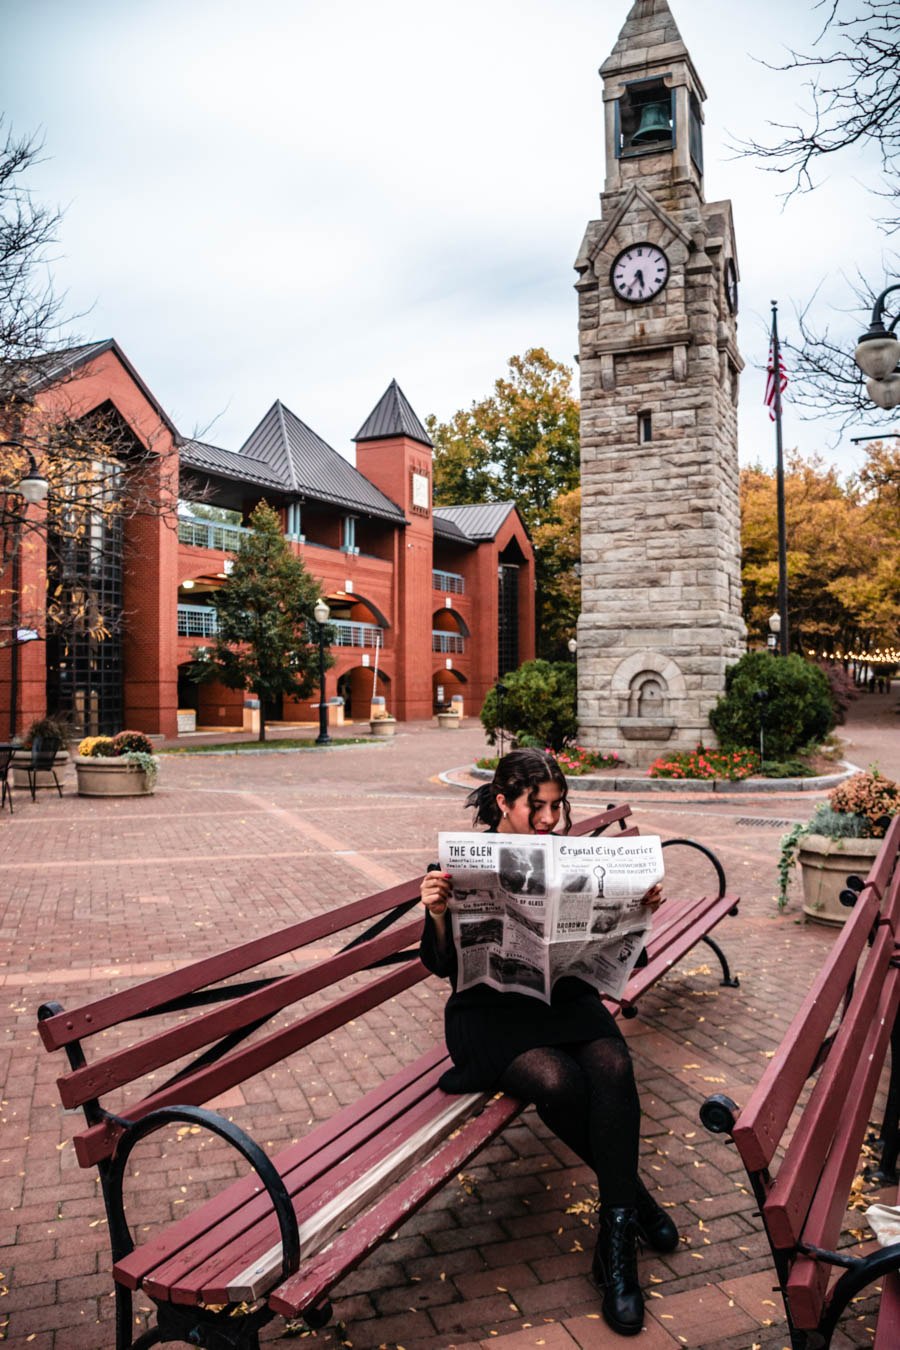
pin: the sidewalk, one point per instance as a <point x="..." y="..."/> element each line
<point x="100" y="893"/>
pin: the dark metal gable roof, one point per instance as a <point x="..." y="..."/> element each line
<point x="55" y="366"/>
<point x="309" y="467"/>
<point x="229" y="464"/>
<point x="393" y="416"/>
<point x="477" y="522"/>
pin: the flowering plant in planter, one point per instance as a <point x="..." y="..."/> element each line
<point x="703" y="763"/>
<point x="861" y="807"/>
<point x="133" y="746"/>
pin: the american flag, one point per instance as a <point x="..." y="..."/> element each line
<point x="770" y="379"/>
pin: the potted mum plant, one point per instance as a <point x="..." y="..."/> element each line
<point x="45" y="729"/>
<point x="116" y="766"/>
<point x="841" y="838"/>
<point x="382" y="723"/>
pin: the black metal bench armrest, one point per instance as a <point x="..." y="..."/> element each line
<point x="863" y="1273"/>
<point x="708" y="853"/>
<point x="120" y="1235"/>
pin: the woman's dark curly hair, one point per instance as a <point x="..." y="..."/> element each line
<point x="519" y="771"/>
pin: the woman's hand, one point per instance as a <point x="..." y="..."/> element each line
<point x="435" y="893"/>
<point x="654" y="897"/>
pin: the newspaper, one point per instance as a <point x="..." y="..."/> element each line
<point x="528" y="909"/>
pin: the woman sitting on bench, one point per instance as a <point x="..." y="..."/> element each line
<point x="568" y="1058"/>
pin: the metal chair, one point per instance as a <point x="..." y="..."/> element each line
<point x="6" y="754"/>
<point x="43" y="753"/>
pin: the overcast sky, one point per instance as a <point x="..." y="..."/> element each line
<point x="300" y="200"/>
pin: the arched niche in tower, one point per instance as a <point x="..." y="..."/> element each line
<point x="646" y="687"/>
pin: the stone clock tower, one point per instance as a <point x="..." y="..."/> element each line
<point x="658" y="294"/>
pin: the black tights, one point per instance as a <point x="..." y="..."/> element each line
<point x="587" y="1096"/>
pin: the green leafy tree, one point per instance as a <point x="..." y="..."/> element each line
<point x="521" y="443"/>
<point x="265" y="620"/>
<point x="538" y="705"/>
<point x="788" y="694"/>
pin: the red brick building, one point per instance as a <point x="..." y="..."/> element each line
<point x="427" y="603"/>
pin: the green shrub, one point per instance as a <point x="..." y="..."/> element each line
<point x="796" y="705"/>
<point x="538" y="706"/>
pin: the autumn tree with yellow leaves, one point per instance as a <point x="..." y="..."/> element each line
<point x="843" y="552"/>
<point x="521" y="444"/>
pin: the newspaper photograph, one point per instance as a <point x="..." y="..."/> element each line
<point x="527" y="910"/>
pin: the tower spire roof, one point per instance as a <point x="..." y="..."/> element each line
<point x="392" y="416"/>
<point x="649" y="27"/>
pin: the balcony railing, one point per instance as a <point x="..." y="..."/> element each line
<point x="196" y="621"/>
<point x="448" y="582"/>
<point x="210" y="534"/>
<point x="447" y="642"/>
<point x="348" y="634"/>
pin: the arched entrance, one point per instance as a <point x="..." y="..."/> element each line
<point x="357" y="687"/>
<point x="444" y="685"/>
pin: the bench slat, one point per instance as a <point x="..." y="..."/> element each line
<point x="140" y="999"/>
<point x="327" y="1142"/>
<point x="124" y="1066"/>
<point x="808" y="1280"/>
<point x="887" y="1330"/>
<point x="349" y="1248"/>
<point x="762" y="1122"/>
<point x="351" y="1201"/>
<point x="99" y="1140"/>
<point x="202" y="1275"/>
<point x="678" y="941"/>
<point x="788" y="1202"/>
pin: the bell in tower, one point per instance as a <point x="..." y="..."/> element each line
<point x="659" y="365"/>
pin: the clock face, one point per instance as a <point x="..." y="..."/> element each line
<point x="639" y="273"/>
<point x="731" y="294"/>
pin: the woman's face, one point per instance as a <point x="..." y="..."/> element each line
<point x="545" y="816"/>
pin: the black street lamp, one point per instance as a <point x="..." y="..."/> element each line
<point x="877" y="354"/>
<point x="572" y="645"/>
<point x="32" y="488"/>
<point x="322" y="613"/>
<point x="501" y="690"/>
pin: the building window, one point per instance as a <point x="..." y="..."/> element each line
<point x="349" y="544"/>
<point x="508" y="618"/>
<point x="645" y="428"/>
<point x="294" y="524"/>
<point x="645" y="118"/>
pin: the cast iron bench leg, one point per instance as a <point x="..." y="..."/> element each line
<point x="728" y="980"/>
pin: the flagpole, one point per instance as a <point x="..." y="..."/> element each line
<point x="779" y="479"/>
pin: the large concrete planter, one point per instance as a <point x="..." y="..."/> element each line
<point x="382" y="726"/>
<point x="113" y="777"/>
<point x="21" y="760"/>
<point x="449" y="721"/>
<point x="825" y="865"/>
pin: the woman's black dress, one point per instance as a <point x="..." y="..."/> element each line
<point x="486" y="1029"/>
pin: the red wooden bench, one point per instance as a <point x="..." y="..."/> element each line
<point x="802" y="1203"/>
<point x="280" y="1239"/>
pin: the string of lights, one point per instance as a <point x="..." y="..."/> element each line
<point x="882" y="656"/>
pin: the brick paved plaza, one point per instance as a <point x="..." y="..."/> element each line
<point x="100" y="893"/>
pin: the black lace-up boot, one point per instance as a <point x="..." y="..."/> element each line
<point x="615" y="1271"/>
<point x="654" y="1224"/>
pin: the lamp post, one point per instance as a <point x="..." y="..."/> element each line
<point x="878" y="353"/>
<point x="32" y="488"/>
<point x="572" y="645"/>
<point x="501" y="690"/>
<point x="774" y="630"/>
<point x="322" y="612"/>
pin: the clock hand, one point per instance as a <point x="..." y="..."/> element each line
<point x="639" y="276"/>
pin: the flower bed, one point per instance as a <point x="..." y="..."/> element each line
<point x="703" y="763"/>
<point x="107" y="755"/>
<point x="575" y="761"/>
